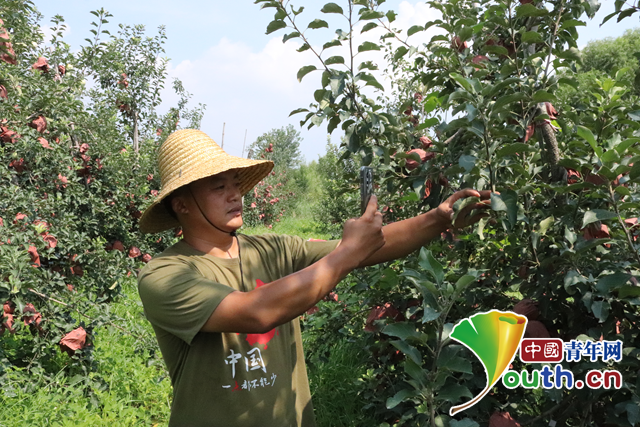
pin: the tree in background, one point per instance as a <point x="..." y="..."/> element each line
<point x="603" y="57"/>
<point x="275" y="195"/>
<point x="282" y="146"/>
<point x="337" y="202"/>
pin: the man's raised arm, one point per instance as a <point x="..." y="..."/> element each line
<point x="404" y="237"/>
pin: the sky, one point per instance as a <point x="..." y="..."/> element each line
<point x="247" y="79"/>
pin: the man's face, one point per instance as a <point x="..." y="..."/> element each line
<point x="220" y="199"/>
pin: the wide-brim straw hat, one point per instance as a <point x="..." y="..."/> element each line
<point x="189" y="155"/>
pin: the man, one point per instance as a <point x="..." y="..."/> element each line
<point x="224" y="306"/>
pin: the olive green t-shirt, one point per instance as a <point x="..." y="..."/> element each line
<point x="229" y="379"/>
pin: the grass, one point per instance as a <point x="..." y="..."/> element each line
<point x="130" y="385"/>
<point x="334" y="387"/>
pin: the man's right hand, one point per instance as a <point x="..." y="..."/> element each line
<point x="363" y="236"/>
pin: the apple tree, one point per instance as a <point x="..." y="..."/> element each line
<point x="476" y="105"/>
<point x="70" y="196"/>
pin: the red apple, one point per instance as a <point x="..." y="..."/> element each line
<point x="41" y="64"/>
<point x="458" y="44"/>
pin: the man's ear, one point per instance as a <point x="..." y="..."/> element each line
<point x="178" y="204"/>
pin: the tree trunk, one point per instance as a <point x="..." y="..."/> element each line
<point x="135" y="132"/>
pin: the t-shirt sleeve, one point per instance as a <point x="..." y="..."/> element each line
<point x="307" y="252"/>
<point x="177" y="298"/>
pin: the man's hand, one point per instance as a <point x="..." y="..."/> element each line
<point x="363" y="236"/>
<point x="463" y="219"/>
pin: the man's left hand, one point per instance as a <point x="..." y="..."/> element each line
<point x="463" y="219"/>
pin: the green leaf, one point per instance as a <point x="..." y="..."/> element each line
<point x="333" y="123"/>
<point x="371" y="81"/>
<point x="430" y="315"/>
<point x="571" y="23"/>
<point x="601" y="310"/>
<point x="626" y="13"/>
<point x="508" y="100"/>
<point x="369" y="26"/>
<point x="299" y="110"/>
<point x="453" y="393"/>
<point x="586" y="134"/>
<point x="275" y="26"/>
<point x="611" y="282"/>
<point x="531" y="37"/>
<point x="400" y="396"/>
<point x="629" y="291"/>
<point x="318" y="23"/>
<point x="572" y="54"/>
<point x="545" y="224"/>
<point x="587" y="245"/>
<point x="543" y="96"/>
<point x="415" y="371"/>
<point x="529" y="9"/>
<point x="462" y="82"/>
<point x="466" y="422"/>
<point x="496" y="49"/>
<point x="570" y="82"/>
<point x="597" y="215"/>
<point x="415" y="29"/>
<point x="334" y="60"/>
<point x="304" y="47"/>
<point x="467" y="162"/>
<point x="455" y="364"/>
<point x="464" y="282"/>
<point x="402" y="330"/>
<point x="391" y="16"/>
<point x="337" y="85"/>
<point x="290" y="36"/>
<point x="497" y="204"/>
<point x="331" y="8"/>
<point x="400" y="52"/>
<point x="430" y="264"/>
<point x="370" y="14"/>
<point x="305" y="70"/>
<point x="518" y="147"/>
<point x="367" y="65"/>
<point x="571" y="279"/>
<point x="622" y="147"/>
<point x="367" y="46"/>
<point x="409" y="350"/>
<point x="332" y="43"/>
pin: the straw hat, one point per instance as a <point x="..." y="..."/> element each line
<point x="189" y="155"/>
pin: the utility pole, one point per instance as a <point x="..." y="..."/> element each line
<point x="222" y="144"/>
<point x="245" y="141"/>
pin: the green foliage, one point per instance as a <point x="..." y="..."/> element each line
<point x="129" y="387"/>
<point x="73" y="184"/>
<point x="282" y="146"/>
<point x="336" y="199"/>
<point x="276" y="194"/>
<point x="563" y="221"/>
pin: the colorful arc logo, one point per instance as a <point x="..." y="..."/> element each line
<point x="494" y="337"/>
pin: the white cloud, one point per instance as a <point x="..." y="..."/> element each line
<point x="256" y="90"/>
